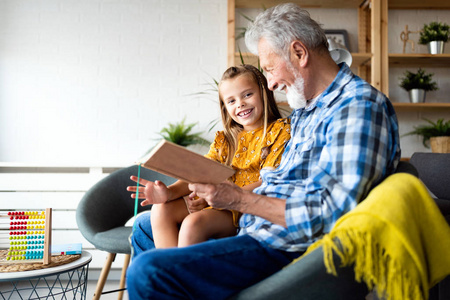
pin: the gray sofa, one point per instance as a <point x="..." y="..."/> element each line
<point x="308" y="280"/>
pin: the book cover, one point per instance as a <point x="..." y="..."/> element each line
<point x="181" y="163"/>
<point x="66" y="249"/>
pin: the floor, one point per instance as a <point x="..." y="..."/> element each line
<point x="109" y="286"/>
<point x="41" y="292"/>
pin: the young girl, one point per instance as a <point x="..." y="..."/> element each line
<point x="254" y="138"/>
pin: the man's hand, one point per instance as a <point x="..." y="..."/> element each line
<point x="153" y="192"/>
<point x="225" y="195"/>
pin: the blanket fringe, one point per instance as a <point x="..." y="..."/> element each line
<point x="372" y="264"/>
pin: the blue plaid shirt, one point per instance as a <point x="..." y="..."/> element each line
<point x="341" y="147"/>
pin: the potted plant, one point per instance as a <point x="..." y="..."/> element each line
<point x="181" y="134"/>
<point x="436" y="134"/>
<point x="435" y="35"/>
<point x="417" y="84"/>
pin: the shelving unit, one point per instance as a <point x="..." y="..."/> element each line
<point x="399" y="60"/>
<point x="366" y="60"/>
<point x="373" y="60"/>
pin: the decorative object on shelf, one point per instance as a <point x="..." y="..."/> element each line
<point x="340" y="36"/>
<point x="417" y="84"/>
<point x="435" y="35"/>
<point x="404" y="37"/>
<point x="437" y="134"/>
<point x="339" y="53"/>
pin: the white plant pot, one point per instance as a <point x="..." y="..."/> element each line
<point x="417" y="95"/>
<point x="436" y="47"/>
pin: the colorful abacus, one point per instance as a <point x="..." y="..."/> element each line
<point x="28" y="234"/>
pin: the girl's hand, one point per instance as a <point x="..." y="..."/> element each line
<point x="153" y="192"/>
<point x="194" y="203"/>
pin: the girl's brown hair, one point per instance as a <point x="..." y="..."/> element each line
<point x="270" y="114"/>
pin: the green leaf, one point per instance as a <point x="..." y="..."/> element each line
<point x="419" y="80"/>
<point x="434" y="31"/>
<point x="180" y="134"/>
<point x="438" y="128"/>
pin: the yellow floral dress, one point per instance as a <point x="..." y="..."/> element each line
<point x="253" y="152"/>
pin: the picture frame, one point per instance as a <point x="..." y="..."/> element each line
<point x="339" y="35"/>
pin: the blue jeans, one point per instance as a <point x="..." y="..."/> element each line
<point x="216" y="269"/>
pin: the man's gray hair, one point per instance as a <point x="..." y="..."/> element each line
<point x="281" y="25"/>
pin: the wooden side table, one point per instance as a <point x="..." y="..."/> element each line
<point x="68" y="281"/>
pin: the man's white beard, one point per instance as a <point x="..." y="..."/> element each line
<point x="295" y="94"/>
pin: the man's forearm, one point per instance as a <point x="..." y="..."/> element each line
<point x="269" y="208"/>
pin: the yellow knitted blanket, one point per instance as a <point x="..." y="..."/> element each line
<point x="397" y="240"/>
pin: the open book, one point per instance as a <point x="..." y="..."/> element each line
<point x="178" y="162"/>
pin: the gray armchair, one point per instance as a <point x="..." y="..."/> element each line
<point x="103" y="212"/>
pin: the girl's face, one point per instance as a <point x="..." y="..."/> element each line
<point x="243" y="102"/>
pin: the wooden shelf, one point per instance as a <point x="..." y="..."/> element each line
<point x="302" y="3"/>
<point x="421" y="106"/>
<point x="359" y="59"/>
<point x="395" y="60"/>
<point x="423" y="60"/>
<point x="416" y="4"/>
<point x="392" y="4"/>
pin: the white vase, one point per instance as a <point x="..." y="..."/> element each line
<point x="417" y="95"/>
<point x="436" y="47"/>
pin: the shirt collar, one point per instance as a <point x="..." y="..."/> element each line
<point x="333" y="90"/>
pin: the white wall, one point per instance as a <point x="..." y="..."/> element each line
<point x="92" y="81"/>
<point x="415" y="19"/>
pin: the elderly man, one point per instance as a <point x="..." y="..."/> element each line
<point x="344" y="142"/>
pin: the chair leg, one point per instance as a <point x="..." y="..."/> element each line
<point x="103" y="275"/>
<point x="123" y="277"/>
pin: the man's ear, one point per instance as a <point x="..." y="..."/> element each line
<point x="299" y="53"/>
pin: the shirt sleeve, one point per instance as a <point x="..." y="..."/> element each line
<point x="356" y="145"/>
<point x="214" y="148"/>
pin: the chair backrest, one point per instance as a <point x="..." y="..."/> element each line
<point x="434" y="171"/>
<point x="108" y="204"/>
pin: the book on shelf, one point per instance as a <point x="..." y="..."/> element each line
<point x="181" y="163"/>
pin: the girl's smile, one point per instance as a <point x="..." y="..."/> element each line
<point x="245" y="113"/>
